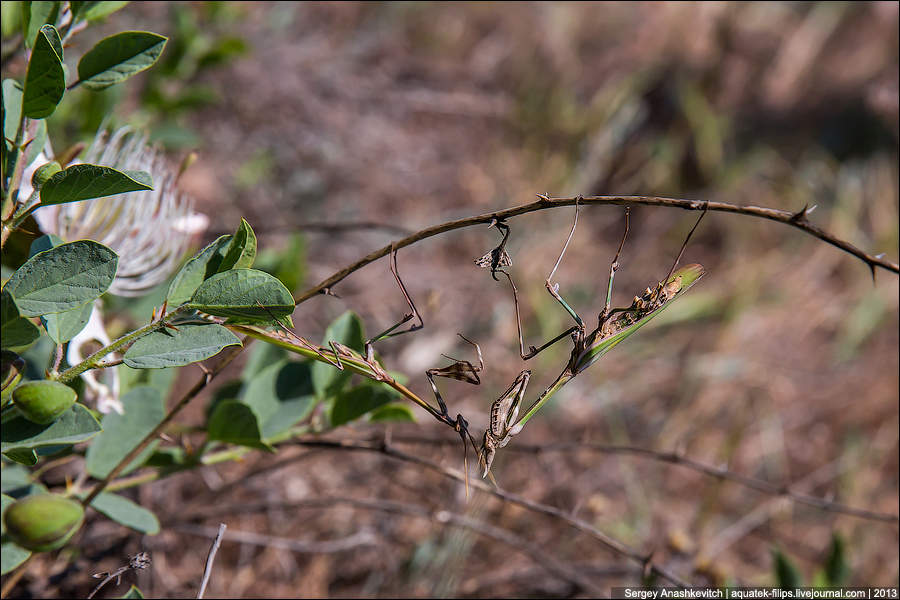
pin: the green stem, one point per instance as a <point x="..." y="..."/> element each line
<point x="11" y="193"/>
<point x="93" y="361"/>
<point x="562" y="380"/>
<point x="355" y="365"/>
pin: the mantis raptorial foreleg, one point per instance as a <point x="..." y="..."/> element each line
<point x="498" y="257"/>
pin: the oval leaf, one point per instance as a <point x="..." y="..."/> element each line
<point x="195" y="271"/>
<point x="234" y="422"/>
<point x="62" y="327"/>
<point x="121" y="433"/>
<point x="127" y="513"/>
<point x="63" y="278"/>
<point x="242" y="250"/>
<point x="83" y="182"/>
<point x="118" y="57"/>
<point x="392" y="413"/>
<point x="75" y="425"/>
<point x="170" y="348"/>
<point x="280" y="395"/>
<point x="17" y="330"/>
<point x="45" y="81"/>
<point x="356" y="402"/>
<point x="35" y="16"/>
<point x="93" y="11"/>
<point x="243" y="294"/>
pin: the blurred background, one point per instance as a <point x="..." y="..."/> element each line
<point x="336" y="128"/>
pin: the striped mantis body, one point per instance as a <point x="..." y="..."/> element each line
<point x="614" y="325"/>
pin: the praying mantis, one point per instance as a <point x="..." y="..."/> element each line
<point x="614" y="325"/>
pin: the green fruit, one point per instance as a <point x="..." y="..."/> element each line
<point x="42" y="402"/>
<point x="11" y="367"/>
<point x="43" y="522"/>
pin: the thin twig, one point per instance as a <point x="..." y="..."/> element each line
<point x="645" y="560"/>
<point x="798" y="220"/>
<point x="759" y="485"/>
<point x="210" y="558"/>
<point x="539" y="555"/>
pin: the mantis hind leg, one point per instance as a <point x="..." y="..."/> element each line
<point x="553" y="288"/>
<point x="414" y="314"/>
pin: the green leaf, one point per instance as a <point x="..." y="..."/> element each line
<point x="347" y="329"/>
<point x="242" y="250"/>
<point x="787" y="577"/>
<point x="36" y="15"/>
<point x="62" y="327"/>
<point x="133" y="593"/>
<point x="23" y="456"/>
<point x="45" y="242"/>
<point x="169" y="348"/>
<point x="17" y="330"/>
<point x="355" y="402"/>
<point x="260" y="357"/>
<point x="127" y="513"/>
<point x="837" y="571"/>
<point x="12" y="110"/>
<point x="83" y="182"/>
<point x="235" y="423"/>
<point x="280" y="396"/>
<point x="238" y="294"/>
<point x="13" y="479"/>
<point x="11" y="554"/>
<point x="118" y="57"/>
<point x="45" y="81"/>
<point x="94" y="11"/>
<point x="75" y="425"/>
<point x="196" y="270"/>
<point x="63" y="278"/>
<point x="392" y="412"/>
<point x="688" y="276"/>
<point x="121" y="433"/>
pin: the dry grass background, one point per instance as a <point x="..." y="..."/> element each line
<point x="782" y="364"/>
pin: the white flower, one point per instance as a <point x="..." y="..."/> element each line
<point x="150" y="231"/>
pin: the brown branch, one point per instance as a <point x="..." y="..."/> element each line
<point x="210" y="559"/>
<point x="759" y="485"/>
<point x="798" y="220"/>
<point x="645" y="560"/>
<point x="542" y="558"/>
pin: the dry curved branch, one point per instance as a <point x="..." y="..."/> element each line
<point x="798" y="219"/>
